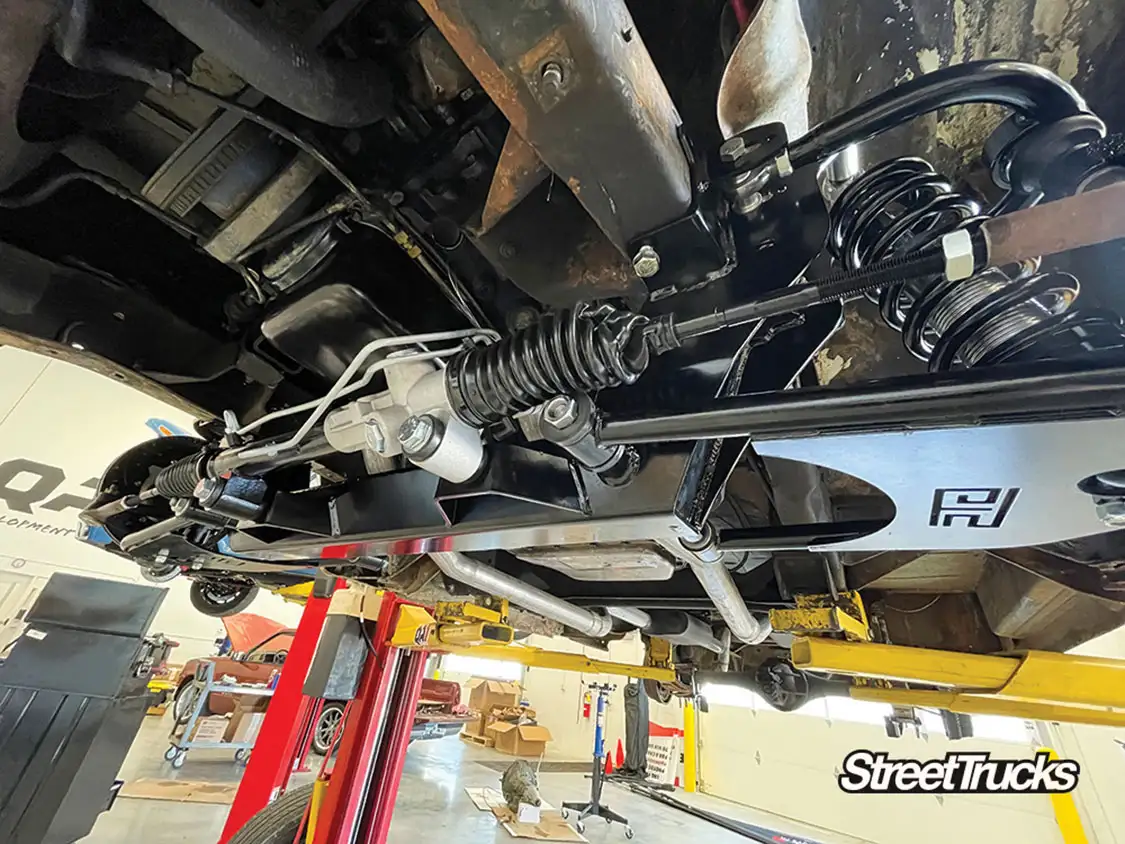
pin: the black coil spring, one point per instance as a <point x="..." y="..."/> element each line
<point x="998" y="316"/>
<point x="179" y="479"/>
<point x="582" y="350"/>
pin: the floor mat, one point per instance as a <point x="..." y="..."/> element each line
<point x="180" y="791"/>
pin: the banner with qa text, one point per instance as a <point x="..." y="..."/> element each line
<point x="870" y="772"/>
<point x="60" y="427"/>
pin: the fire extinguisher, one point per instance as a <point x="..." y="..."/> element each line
<point x="586" y="703"/>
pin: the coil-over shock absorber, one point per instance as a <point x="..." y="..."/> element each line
<point x="582" y="350"/>
<point x="1001" y="315"/>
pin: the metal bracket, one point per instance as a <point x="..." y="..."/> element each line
<point x="820" y="614"/>
<point x="464" y="624"/>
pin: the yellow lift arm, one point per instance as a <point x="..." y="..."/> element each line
<point x="469" y="629"/>
<point x="539" y="658"/>
<point x="1039" y="685"/>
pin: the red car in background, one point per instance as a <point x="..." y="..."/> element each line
<point x="258" y="647"/>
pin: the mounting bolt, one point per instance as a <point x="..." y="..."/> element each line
<point x="561" y="412"/>
<point x="1111" y="511"/>
<point x="732" y="149"/>
<point x="646" y="263"/>
<point x="417" y="434"/>
<point x="551" y="76"/>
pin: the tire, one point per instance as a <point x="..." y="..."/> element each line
<point x="183" y="693"/>
<point x="279" y="822"/>
<point x="178" y="761"/>
<point x="170" y="753"/>
<point x="218" y="599"/>
<point x="326" y="725"/>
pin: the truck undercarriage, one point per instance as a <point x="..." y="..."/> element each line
<point x="488" y="298"/>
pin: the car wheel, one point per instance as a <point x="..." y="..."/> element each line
<point x="326" y="726"/>
<point x="184" y="702"/>
<point x="220" y="598"/>
<point x="280" y="822"/>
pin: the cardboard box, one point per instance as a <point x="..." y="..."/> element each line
<point x="211" y="728"/>
<point x="527" y="740"/>
<point x="245" y="706"/>
<point x="248" y="728"/>
<point x="490" y="693"/>
<point x="551" y="826"/>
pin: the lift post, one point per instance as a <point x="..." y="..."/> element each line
<point x="359" y="799"/>
<point x="287" y="720"/>
<point x="354" y="802"/>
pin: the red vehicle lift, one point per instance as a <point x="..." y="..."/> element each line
<point x="355" y="807"/>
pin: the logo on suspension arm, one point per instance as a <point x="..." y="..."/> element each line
<point x="981" y="507"/>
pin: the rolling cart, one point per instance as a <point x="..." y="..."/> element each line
<point x="204" y="686"/>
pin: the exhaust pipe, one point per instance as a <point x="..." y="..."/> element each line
<point x="630" y="615"/>
<point x="468" y="571"/>
<point x="706" y="561"/>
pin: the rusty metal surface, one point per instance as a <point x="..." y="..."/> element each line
<point x="555" y="252"/>
<point x="441" y="75"/>
<point x="1070" y="223"/>
<point x="944" y="622"/>
<point x="24" y="28"/>
<point x="767" y="77"/>
<point x="575" y="80"/>
<point x="881" y="43"/>
<point x="518" y="172"/>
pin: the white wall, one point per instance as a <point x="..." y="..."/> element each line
<point x="787" y="764"/>
<point x="1101" y="753"/>
<point x="56" y="414"/>
<point x="557" y="697"/>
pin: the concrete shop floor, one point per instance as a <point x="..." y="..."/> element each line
<point x="431" y="806"/>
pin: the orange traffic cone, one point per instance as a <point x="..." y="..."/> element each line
<point x="608" y="764"/>
<point x="619" y="760"/>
